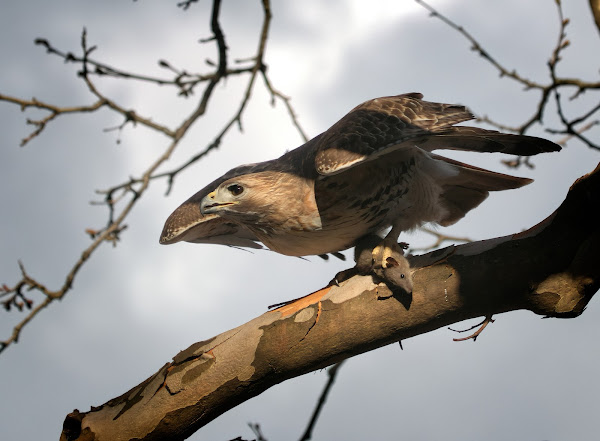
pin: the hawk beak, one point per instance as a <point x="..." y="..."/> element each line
<point x="208" y="205"/>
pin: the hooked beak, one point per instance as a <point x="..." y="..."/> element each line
<point x="208" y="205"/>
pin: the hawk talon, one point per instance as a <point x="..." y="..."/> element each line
<point x="343" y="275"/>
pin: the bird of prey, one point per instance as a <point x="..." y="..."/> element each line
<point x="371" y="171"/>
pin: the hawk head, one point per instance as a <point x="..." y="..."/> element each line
<point x="230" y="196"/>
<point x="275" y="199"/>
<point x="248" y="198"/>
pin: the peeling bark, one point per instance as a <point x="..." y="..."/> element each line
<point x="551" y="269"/>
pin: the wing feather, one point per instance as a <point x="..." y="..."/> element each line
<point x="373" y="127"/>
<point x="383" y="125"/>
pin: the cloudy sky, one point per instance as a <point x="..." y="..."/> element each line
<point x="135" y="306"/>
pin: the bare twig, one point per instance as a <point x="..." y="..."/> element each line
<point x="54" y="112"/>
<point x="482" y="325"/>
<point x="121" y="199"/>
<point x="440" y="239"/>
<point x="477" y="47"/>
<point x="235" y="119"/>
<point x="186" y="4"/>
<point x="585" y="128"/>
<point x="184" y="81"/>
<point x="570" y="125"/>
<point x="257" y="432"/>
<point x="286" y="101"/>
<point x="545" y="89"/>
<point x="332" y="372"/>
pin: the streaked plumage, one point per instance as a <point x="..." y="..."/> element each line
<point x="371" y="170"/>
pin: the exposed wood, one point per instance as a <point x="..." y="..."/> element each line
<point x="551" y="269"/>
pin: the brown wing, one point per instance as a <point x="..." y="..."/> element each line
<point x="382" y="125"/>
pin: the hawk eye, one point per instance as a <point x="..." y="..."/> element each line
<point x="235" y="189"/>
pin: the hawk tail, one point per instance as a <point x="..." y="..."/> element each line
<point x="469" y="187"/>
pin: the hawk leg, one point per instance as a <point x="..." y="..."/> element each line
<point x="382" y="258"/>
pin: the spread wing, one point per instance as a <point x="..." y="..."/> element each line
<point x="382" y="125"/>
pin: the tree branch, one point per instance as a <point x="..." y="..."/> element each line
<point x="439" y="241"/>
<point x="545" y="89"/>
<point x="122" y="198"/>
<point x="53" y="110"/>
<point x="332" y="374"/>
<point x="550" y="269"/>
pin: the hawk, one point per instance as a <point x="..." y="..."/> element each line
<point x="371" y="171"/>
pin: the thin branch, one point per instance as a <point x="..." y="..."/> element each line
<point x="102" y="101"/>
<point x="332" y="372"/>
<point x="40" y="125"/>
<point x="255" y="427"/>
<point x="287" y="102"/>
<point x="127" y="195"/>
<point x="440" y="239"/>
<point x="570" y="125"/>
<point x="186" y="4"/>
<point x="259" y="66"/>
<point x="544" y="89"/>
<point x="585" y="128"/>
<point x="482" y="325"/>
<point x="476" y="46"/>
<point x="184" y="81"/>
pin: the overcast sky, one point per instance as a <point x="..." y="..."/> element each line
<point x="135" y="306"/>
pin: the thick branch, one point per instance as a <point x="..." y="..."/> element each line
<point x="551" y="269"/>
